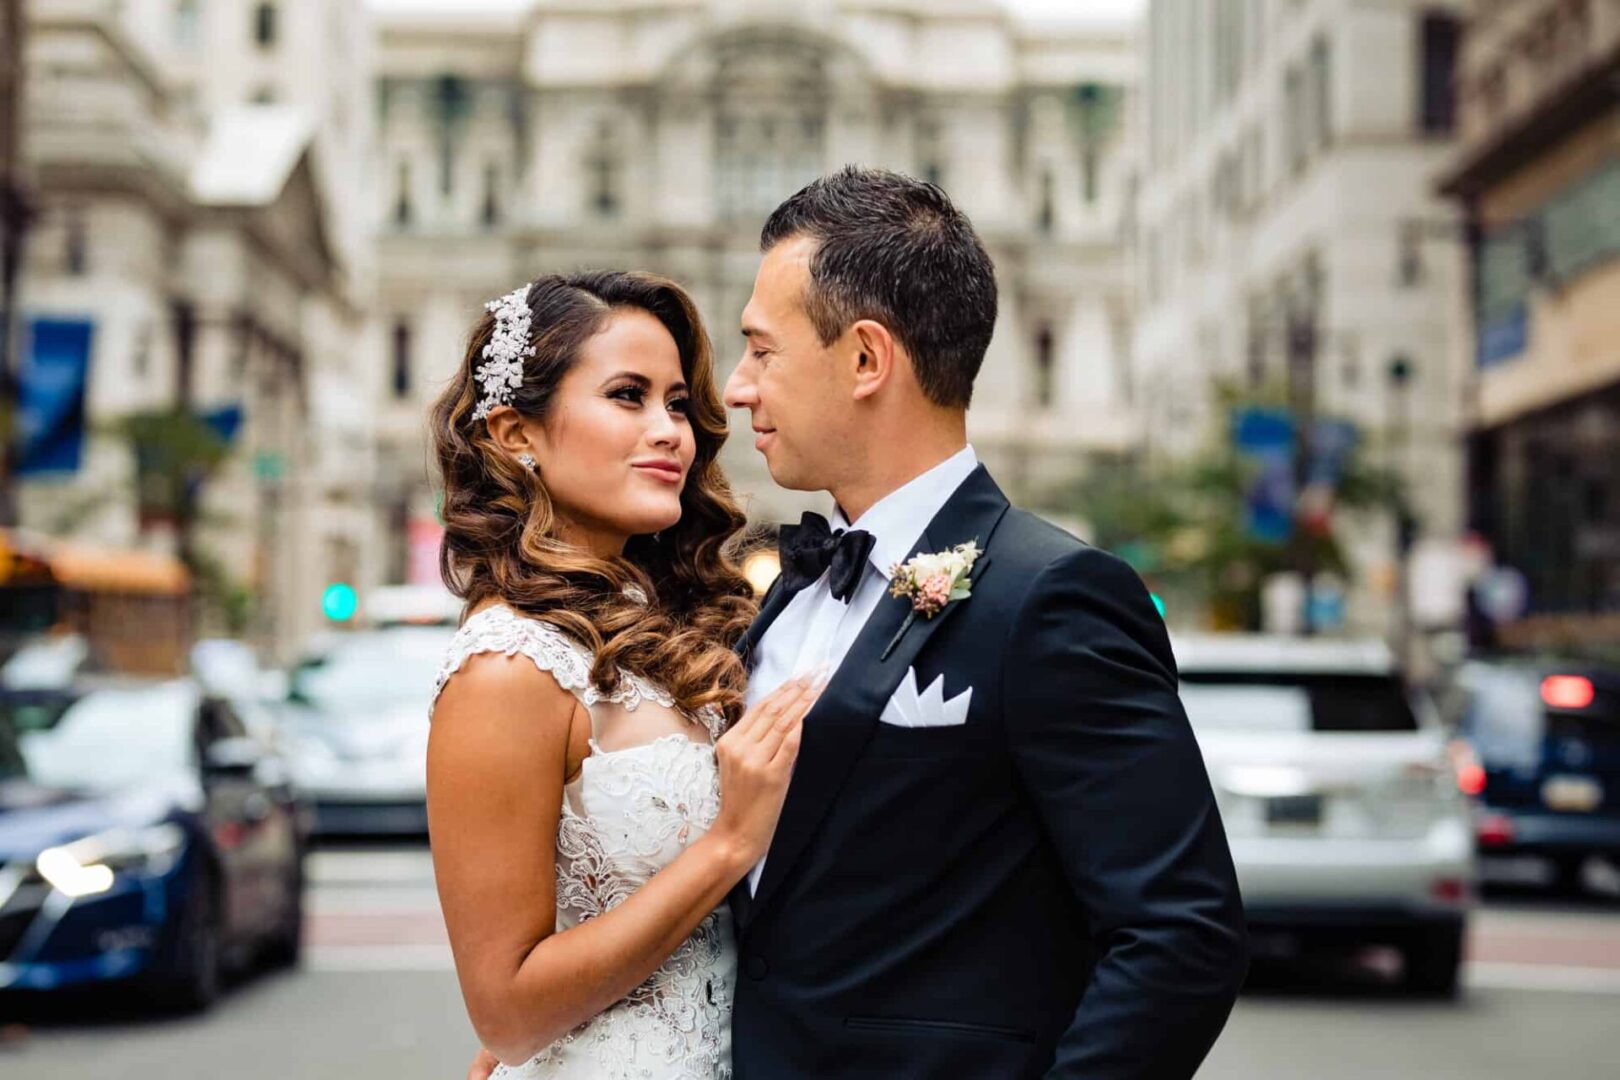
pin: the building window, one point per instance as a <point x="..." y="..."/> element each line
<point x="1293" y="120"/>
<point x="1045" y="367"/>
<point x="187" y="23"/>
<point x="602" y="171"/>
<point x="265" y="25"/>
<point x="402" y="360"/>
<point x="1046" y="210"/>
<point x="402" y="196"/>
<point x="930" y="154"/>
<point x="454" y="103"/>
<point x="1441" y="34"/>
<point x="490" y="214"/>
<point x="1321" y="91"/>
<point x="1255" y="342"/>
<point x="76" y="246"/>
<point x="771" y="122"/>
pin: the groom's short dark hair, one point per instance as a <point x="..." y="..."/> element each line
<point x="894" y="249"/>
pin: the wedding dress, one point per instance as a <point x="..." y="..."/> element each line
<point x="648" y="789"/>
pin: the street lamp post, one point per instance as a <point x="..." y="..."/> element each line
<point x="14" y="219"/>
<point x="1302" y="345"/>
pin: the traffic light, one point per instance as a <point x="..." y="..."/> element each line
<point x="339" y="601"/>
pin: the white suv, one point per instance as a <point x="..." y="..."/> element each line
<point x="1339" y="799"/>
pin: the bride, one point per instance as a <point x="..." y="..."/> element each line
<point x="595" y="789"/>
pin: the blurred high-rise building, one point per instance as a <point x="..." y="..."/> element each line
<point x="199" y="250"/>
<point x="1537" y="174"/>
<point x="659" y="135"/>
<point x="1289" y="241"/>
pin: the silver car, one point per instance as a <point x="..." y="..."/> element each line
<point x="356" y="725"/>
<point x="1340" y="801"/>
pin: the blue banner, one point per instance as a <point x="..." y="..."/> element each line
<point x="51" y="408"/>
<point x="1266" y="437"/>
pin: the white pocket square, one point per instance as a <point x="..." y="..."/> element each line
<point x="908" y="708"/>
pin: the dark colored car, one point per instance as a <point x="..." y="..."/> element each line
<point x="145" y="837"/>
<point x="1545" y="742"/>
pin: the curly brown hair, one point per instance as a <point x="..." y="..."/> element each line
<point x="501" y="537"/>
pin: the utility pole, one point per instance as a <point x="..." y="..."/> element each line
<point x="1301" y="319"/>
<point x="14" y="219"/>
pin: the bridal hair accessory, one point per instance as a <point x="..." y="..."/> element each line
<point x="502" y="370"/>
<point x="527" y="461"/>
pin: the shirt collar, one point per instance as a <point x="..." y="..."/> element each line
<point x="897" y="520"/>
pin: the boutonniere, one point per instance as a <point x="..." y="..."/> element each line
<point x="930" y="582"/>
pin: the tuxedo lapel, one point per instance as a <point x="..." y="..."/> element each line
<point x="837" y="728"/>
<point x="776" y="599"/>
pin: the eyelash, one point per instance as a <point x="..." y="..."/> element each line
<point x="637" y="395"/>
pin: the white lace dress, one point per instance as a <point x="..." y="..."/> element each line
<point x="648" y="789"/>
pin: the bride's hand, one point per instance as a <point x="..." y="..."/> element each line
<point x="482" y="1065"/>
<point x="756" y="761"/>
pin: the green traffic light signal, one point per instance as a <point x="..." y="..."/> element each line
<point x="339" y="602"/>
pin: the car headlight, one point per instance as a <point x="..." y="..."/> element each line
<point x="88" y="866"/>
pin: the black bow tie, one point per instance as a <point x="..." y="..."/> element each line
<point x="810" y="548"/>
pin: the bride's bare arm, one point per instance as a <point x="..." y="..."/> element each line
<point x="497" y="758"/>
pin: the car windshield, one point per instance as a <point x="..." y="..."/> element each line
<point x="104" y="740"/>
<point x="359" y="675"/>
<point x="1272" y="702"/>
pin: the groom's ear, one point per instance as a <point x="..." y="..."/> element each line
<point x="874" y="349"/>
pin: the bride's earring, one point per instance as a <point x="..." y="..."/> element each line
<point x="528" y="462"/>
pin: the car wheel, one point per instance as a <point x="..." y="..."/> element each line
<point x="190" y="975"/>
<point x="285" y="947"/>
<point x="1433" y="962"/>
<point x="1569" y="876"/>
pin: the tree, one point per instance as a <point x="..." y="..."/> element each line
<point x="1185" y="525"/>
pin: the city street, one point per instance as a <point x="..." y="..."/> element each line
<point x="376" y="998"/>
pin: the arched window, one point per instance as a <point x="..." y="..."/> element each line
<point x="402" y="196"/>
<point x="770" y="122"/>
<point x="401" y="360"/>
<point x="602" y="172"/>
<point x="490" y="214"/>
<point x="265" y="26"/>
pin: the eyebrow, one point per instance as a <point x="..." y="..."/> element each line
<point x="751" y="332"/>
<point x="642" y="381"/>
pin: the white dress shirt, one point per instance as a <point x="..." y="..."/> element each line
<point x="815" y="630"/>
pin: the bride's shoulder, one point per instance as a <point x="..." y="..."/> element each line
<point x="498" y="629"/>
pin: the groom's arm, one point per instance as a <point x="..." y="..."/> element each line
<point x="1102" y="744"/>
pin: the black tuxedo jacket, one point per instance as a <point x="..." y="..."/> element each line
<point x="1045" y="890"/>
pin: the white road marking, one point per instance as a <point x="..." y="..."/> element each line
<point x="376" y="867"/>
<point x="363" y="958"/>
<point x="1549" y="977"/>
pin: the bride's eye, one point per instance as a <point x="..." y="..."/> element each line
<point x="681" y="405"/>
<point x="635" y="395"/>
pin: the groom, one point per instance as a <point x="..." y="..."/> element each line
<point x="1000" y="855"/>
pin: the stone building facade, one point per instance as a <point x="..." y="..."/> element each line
<point x="659" y="135"/>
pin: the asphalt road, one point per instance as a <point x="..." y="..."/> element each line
<point x="376" y="998"/>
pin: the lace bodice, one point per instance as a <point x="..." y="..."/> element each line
<point x="648" y="789"/>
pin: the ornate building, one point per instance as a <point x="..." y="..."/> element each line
<point x="1289" y="240"/>
<point x="189" y="254"/>
<point x="1537" y="175"/>
<point x="659" y="135"/>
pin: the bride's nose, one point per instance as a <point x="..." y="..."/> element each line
<point x="664" y="432"/>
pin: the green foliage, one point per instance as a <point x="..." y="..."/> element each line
<point x="1183" y="525"/>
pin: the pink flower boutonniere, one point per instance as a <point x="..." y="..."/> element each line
<point x="932" y="581"/>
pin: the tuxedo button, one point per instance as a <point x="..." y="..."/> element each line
<point x="757" y="968"/>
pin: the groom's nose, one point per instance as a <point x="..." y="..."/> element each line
<point x="740" y="391"/>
